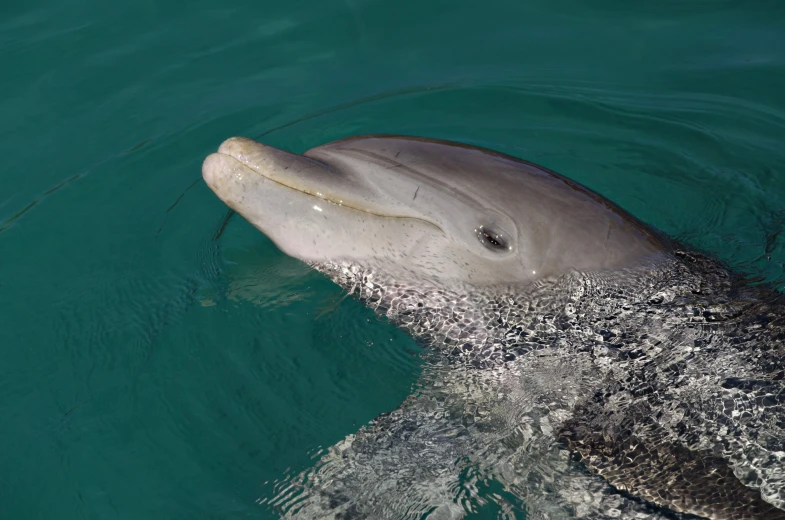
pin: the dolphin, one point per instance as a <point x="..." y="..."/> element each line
<point x="581" y="363"/>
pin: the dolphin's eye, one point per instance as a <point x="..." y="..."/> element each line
<point x="492" y="238"/>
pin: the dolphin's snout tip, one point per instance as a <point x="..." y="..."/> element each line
<point x="219" y="164"/>
<point x="235" y="146"/>
<point x="211" y="168"/>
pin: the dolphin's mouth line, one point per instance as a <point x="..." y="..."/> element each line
<point x="341" y="204"/>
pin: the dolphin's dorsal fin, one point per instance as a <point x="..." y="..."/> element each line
<point x="660" y="471"/>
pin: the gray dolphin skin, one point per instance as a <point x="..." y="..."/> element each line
<point x="579" y="363"/>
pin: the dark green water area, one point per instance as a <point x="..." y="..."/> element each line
<point x="160" y="361"/>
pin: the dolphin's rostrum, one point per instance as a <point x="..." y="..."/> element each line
<point x="580" y="359"/>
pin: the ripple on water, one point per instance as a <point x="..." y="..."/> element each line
<point x="220" y="363"/>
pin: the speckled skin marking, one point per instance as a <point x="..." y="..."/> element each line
<point x="671" y="388"/>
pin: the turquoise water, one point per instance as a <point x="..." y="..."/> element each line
<point x="162" y="361"/>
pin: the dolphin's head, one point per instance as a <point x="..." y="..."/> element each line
<point x="426" y="209"/>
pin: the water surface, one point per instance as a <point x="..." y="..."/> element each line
<point x="161" y="361"/>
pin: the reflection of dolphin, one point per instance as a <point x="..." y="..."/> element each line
<point x="268" y="285"/>
<point x="566" y="336"/>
